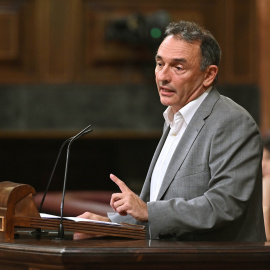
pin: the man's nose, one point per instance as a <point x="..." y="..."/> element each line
<point x="164" y="74"/>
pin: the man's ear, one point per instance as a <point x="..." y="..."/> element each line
<point x="210" y="75"/>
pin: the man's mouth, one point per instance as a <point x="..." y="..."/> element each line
<point x="166" y="91"/>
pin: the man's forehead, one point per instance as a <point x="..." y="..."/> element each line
<point x="176" y="48"/>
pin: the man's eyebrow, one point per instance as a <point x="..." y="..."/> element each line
<point x="158" y="57"/>
<point x="180" y="60"/>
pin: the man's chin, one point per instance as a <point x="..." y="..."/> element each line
<point x="165" y="101"/>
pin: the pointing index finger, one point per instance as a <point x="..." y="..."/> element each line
<point x="119" y="183"/>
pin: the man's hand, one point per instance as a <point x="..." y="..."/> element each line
<point x="89" y="215"/>
<point x="128" y="202"/>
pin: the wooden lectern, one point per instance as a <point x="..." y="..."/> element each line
<point x="17" y="209"/>
<point x="16" y="201"/>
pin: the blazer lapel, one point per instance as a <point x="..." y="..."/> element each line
<point x="189" y="136"/>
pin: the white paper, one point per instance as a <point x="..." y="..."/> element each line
<point x="76" y="219"/>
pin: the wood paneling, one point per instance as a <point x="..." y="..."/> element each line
<point x="263" y="9"/>
<point x="240" y="47"/>
<point x="64" y="41"/>
<point x="57" y="36"/>
<point x="17" y="53"/>
<point x="9" y="36"/>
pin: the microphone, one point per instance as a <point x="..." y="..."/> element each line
<point x="84" y="131"/>
<point x="61" y="231"/>
<point x="70" y="140"/>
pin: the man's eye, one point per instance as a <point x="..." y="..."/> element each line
<point x="178" y="68"/>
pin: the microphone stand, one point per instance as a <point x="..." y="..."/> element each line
<point x="84" y="131"/>
<point x="70" y="140"/>
<point x="61" y="231"/>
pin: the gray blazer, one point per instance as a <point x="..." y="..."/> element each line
<point x="212" y="189"/>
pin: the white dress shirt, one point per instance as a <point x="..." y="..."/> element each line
<point x="178" y="123"/>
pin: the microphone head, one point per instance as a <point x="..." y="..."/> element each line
<point x="83" y="132"/>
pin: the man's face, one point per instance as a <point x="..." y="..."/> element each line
<point x="178" y="75"/>
<point x="266" y="162"/>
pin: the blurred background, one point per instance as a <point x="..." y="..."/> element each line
<point x="65" y="64"/>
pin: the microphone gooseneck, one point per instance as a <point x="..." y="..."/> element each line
<point x="52" y="174"/>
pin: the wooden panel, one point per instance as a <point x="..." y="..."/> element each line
<point x="240" y="53"/>
<point x="38" y="38"/>
<point x="9" y="36"/>
<point x="263" y="9"/>
<point x="46" y="252"/>
<point x="56" y="36"/>
<point x="16" y="41"/>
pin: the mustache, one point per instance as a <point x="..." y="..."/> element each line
<point x="166" y="88"/>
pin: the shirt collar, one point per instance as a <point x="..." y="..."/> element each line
<point x="187" y="111"/>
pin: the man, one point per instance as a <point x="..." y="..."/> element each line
<point x="204" y="182"/>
